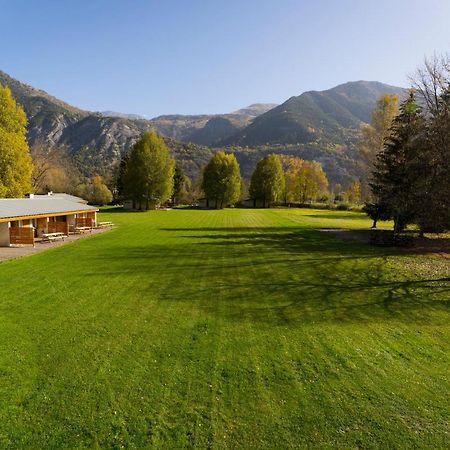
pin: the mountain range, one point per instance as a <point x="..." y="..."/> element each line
<point x="319" y="125"/>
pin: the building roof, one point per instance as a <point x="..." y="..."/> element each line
<point x="40" y="206"/>
<point x="61" y="195"/>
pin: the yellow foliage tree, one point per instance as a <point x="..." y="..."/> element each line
<point x="15" y="161"/>
<point x="353" y="193"/>
<point x="373" y="135"/>
<point x="305" y="180"/>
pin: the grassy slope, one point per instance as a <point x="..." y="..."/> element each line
<point x="223" y="329"/>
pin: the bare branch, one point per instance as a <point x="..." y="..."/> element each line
<point x="430" y="80"/>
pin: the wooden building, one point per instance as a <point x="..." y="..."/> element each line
<point x="25" y="220"/>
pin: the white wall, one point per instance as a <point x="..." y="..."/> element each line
<point x="4" y="234"/>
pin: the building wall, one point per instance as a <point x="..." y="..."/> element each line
<point x="4" y="234"/>
<point x="71" y="219"/>
<point x="41" y="226"/>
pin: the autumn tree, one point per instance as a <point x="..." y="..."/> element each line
<point x="267" y="182"/>
<point x="148" y="174"/>
<point x="15" y="161"/>
<point x="222" y="179"/>
<point x="353" y="193"/>
<point x="291" y="167"/>
<point x="95" y="191"/>
<point x="312" y="182"/>
<point x="53" y="169"/>
<point x="373" y="135"/>
<point x="304" y="180"/>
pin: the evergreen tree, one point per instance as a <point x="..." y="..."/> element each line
<point x="268" y="183"/>
<point x="148" y="177"/>
<point x="120" y="178"/>
<point x="222" y="179"/>
<point x="395" y="175"/>
<point x="373" y="135"/>
<point x="432" y="194"/>
<point x="15" y="161"/>
<point x="180" y="184"/>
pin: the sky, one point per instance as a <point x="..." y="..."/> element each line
<point x="208" y="56"/>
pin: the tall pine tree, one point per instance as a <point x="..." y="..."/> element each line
<point x="396" y="173"/>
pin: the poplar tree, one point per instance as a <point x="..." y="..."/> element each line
<point x="373" y="135"/>
<point x="268" y="183"/>
<point x="222" y="179"/>
<point x="15" y="160"/>
<point x="148" y="174"/>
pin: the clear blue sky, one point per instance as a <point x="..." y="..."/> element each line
<point x="192" y="56"/>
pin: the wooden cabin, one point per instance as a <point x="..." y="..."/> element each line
<point x="23" y="221"/>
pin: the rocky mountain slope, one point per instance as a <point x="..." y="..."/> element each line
<point x="208" y="129"/>
<point x="108" y="136"/>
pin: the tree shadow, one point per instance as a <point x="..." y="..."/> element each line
<point x="277" y="275"/>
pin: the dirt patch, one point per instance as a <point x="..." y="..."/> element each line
<point x="353" y="235"/>
<point x="438" y="244"/>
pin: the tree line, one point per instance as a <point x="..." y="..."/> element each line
<point x="408" y="154"/>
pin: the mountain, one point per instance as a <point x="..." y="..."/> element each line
<point x="111" y="133"/>
<point x="97" y="140"/>
<point x="315" y="115"/>
<point x="315" y="125"/>
<point x="208" y="129"/>
<point x="122" y="115"/>
<point x="255" y="110"/>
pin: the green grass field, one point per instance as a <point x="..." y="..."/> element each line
<point x="225" y="329"/>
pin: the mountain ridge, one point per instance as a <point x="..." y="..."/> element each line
<point x="313" y="115"/>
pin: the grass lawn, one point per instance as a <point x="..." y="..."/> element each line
<point x="225" y="329"/>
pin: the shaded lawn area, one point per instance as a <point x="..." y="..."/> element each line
<point x="224" y="329"/>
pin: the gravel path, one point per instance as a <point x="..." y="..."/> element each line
<point x="7" y="253"/>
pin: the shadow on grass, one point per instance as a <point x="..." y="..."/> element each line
<point x="337" y="215"/>
<point x="283" y="276"/>
<point x="112" y="209"/>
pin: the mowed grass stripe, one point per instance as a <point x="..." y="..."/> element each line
<point x="224" y="329"/>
